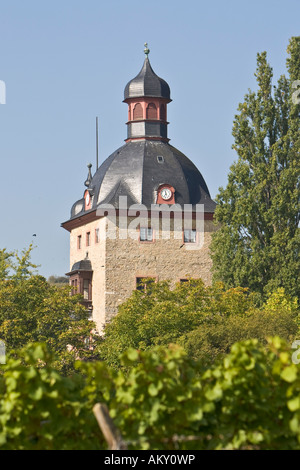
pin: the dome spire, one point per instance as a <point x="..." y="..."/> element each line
<point x="146" y="50"/>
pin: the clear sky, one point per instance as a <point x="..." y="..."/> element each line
<point x="65" y="62"/>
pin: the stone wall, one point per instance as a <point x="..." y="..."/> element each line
<point x="117" y="262"/>
<point x="162" y="259"/>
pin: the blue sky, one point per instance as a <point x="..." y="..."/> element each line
<point x="66" y="62"/>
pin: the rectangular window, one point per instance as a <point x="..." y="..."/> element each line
<point x="144" y="283"/>
<point x="190" y="236"/>
<point x="88" y="238"/>
<point x="79" y="242"/>
<point x="74" y="287"/>
<point x="86" y="289"/>
<point x="146" y="234"/>
<point x="97" y="235"/>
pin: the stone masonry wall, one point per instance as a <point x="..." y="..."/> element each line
<point x="163" y="259"/>
<point x="117" y="262"/>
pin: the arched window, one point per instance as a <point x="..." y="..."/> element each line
<point x="163" y="116"/>
<point x="138" y="111"/>
<point x="151" y="111"/>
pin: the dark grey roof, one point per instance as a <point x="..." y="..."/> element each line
<point x="135" y="171"/>
<point x="83" y="265"/>
<point x="147" y="83"/>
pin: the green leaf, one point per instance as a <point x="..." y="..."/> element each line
<point x="294" y="404"/>
<point x="289" y="374"/>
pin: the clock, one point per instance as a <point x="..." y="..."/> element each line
<point x="166" y="194"/>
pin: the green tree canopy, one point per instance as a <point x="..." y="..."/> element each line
<point x="258" y="242"/>
<point x="32" y="310"/>
<point x="16" y="266"/>
<point x="205" y="321"/>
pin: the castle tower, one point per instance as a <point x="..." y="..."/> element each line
<point x="146" y="214"/>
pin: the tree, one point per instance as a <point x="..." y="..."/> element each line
<point x="58" y="280"/>
<point x="16" y="266"/>
<point x="214" y="340"/>
<point x="5" y="263"/>
<point x="32" y="310"/>
<point x="205" y="321"/>
<point x="257" y="245"/>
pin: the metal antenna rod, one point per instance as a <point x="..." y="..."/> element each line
<point x="97" y="163"/>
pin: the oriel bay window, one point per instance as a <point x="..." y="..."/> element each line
<point x="81" y="285"/>
<point x="81" y="280"/>
<point x="74" y="283"/>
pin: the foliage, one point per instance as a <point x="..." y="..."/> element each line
<point x="278" y="301"/>
<point x="5" y="263"/>
<point x="16" y="266"/>
<point x="214" y="339"/>
<point x="32" y="310"/>
<point x="22" y="267"/>
<point x="42" y="410"/>
<point x="35" y="311"/>
<point x="58" y="280"/>
<point x="206" y="321"/>
<point x="257" y="245"/>
<point x="249" y="400"/>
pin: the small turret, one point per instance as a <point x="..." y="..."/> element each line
<point x="147" y="96"/>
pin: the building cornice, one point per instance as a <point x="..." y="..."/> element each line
<point x="91" y="216"/>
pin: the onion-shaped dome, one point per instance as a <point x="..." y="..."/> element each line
<point x="147" y="83"/>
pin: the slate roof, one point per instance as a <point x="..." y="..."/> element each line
<point x="83" y="265"/>
<point x="147" y="83"/>
<point x="135" y="171"/>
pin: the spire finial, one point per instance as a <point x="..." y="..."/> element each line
<point x="89" y="177"/>
<point x="146" y="50"/>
